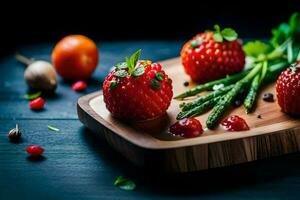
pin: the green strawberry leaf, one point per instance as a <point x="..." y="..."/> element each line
<point x="159" y="76"/>
<point x="218" y="37"/>
<point x="121" y="73"/>
<point x="229" y="34"/>
<point x="139" y="71"/>
<point x="124" y="183"/>
<point x="256" y="48"/>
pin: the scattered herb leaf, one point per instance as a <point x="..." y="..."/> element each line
<point x="33" y="95"/>
<point x="139" y="71"/>
<point x="124" y="183"/>
<point x="121" y="73"/>
<point x="154" y="84"/>
<point x="52" y="128"/>
<point x="159" y="76"/>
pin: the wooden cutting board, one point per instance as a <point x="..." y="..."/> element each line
<point x="149" y="144"/>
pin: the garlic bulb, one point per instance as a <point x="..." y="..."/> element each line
<point x="41" y="75"/>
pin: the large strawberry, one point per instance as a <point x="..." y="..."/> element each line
<point x="288" y="90"/>
<point x="213" y="55"/>
<point x="137" y="90"/>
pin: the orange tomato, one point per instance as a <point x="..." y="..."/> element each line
<point x="75" y="57"/>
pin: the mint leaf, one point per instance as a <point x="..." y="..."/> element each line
<point x="154" y="84"/>
<point x="124" y="183"/>
<point x="121" y="73"/>
<point x="52" y="128"/>
<point x="132" y="61"/>
<point x="122" y="65"/>
<point x="32" y="96"/>
<point x="139" y="71"/>
<point x="113" y="84"/>
<point x="159" y="76"/>
<point x="195" y="43"/>
<point x="217" y="28"/>
<point x="218" y="37"/>
<point x="229" y="34"/>
<point x="256" y="48"/>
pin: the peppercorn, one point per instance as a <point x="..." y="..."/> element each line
<point x="259" y="116"/>
<point x="186" y="83"/>
<point x="269" y="97"/>
<point x="14" y="134"/>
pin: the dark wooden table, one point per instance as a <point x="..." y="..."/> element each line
<point x="79" y="165"/>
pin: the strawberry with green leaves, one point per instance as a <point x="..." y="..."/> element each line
<point x="137" y="90"/>
<point x="213" y="55"/>
<point x="288" y="90"/>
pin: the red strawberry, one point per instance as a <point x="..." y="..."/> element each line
<point x="213" y="55"/>
<point x="288" y="90"/>
<point x="137" y="90"/>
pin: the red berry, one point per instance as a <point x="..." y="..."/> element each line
<point x="205" y="59"/>
<point x="235" y="123"/>
<point x="138" y="97"/>
<point x="79" y="86"/>
<point x="37" y="104"/>
<point x="34" y="150"/>
<point x="288" y="90"/>
<point x="187" y="127"/>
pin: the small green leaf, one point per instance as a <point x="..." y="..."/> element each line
<point x="195" y="43"/>
<point x="159" y="76"/>
<point x="122" y="65"/>
<point x="139" y="71"/>
<point x="229" y="34"/>
<point x="218" y="37"/>
<point x="293" y="69"/>
<point x="124" y="183"/>
<point x="280" y="34"/>
<point x="33" y="95"/>
<point x="217" y="28"/>
<point x="52" y="128"/>
<point x="256" y="48"/>
<point x="132" y="61"/>
<point x="121" y="73"/>
<point x="113" y="84"/>
<point x="154" y="84"/>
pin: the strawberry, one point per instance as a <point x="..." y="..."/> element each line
<point x="213" y="55"/>
<point x="137" y="90"/>
<point x="288" y="90"/>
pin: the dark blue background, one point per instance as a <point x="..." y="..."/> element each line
<point x="77" y="164"/>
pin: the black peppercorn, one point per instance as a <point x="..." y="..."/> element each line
<point x="269" y="97"/>
<point x="259" y="116"/>
<point x="186" y="83"/>
<point x="14" y="134"/>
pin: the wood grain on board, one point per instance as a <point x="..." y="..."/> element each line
<point x="149" y="143"/>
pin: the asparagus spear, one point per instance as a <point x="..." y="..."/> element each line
<point x="199" y="109"/>
<point x="208" y="86"/>
<point x="225" y="102"/>
<point x="256" y="82"/>
<point x="204" y="98"/>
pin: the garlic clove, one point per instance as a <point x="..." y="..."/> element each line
<point x="41" y="75"/>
